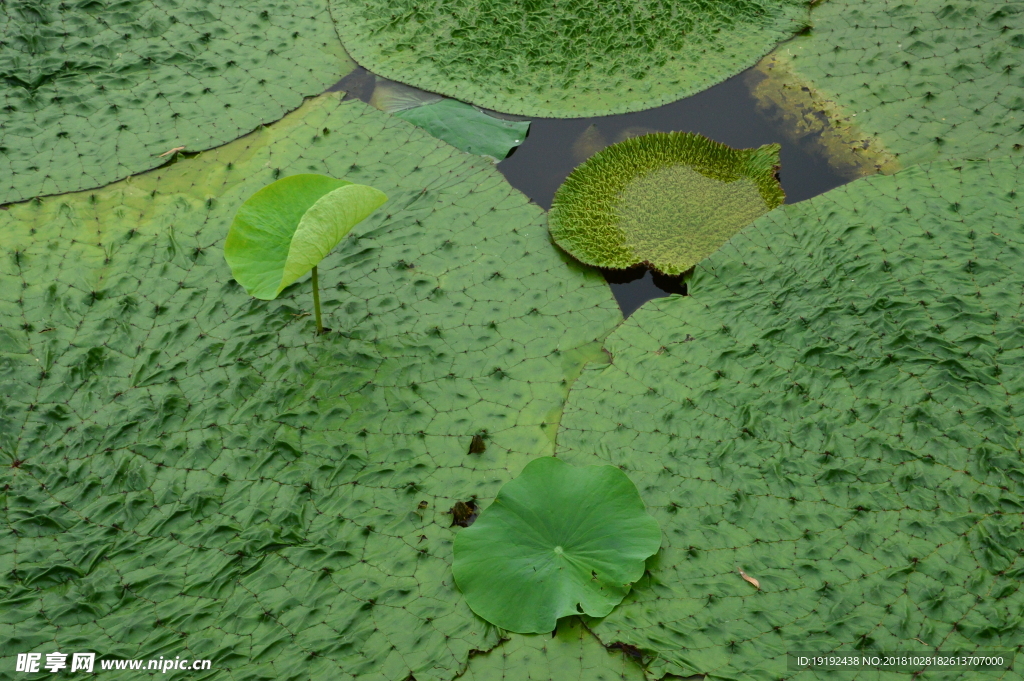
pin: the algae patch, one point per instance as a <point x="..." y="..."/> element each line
<point x="805" y="115"/>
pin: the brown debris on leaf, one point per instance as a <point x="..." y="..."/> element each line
<point x="464" y="513"/>
<point x="478" y="445"/>
<point x="627" y="649"/>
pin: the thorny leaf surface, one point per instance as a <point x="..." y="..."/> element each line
<point x="92" y="92"/>
<point x="667" y="200"/>
<point x="835" y="410"/>
<point x="194" y="472"/>
<point x="564" y="59"/>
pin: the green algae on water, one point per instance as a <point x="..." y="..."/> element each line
<point x="666" y="199"/>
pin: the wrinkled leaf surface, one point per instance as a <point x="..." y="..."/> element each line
<point x="198" y="471"/>
<point x="93" y="92"/>
<point x="835" y="410"/>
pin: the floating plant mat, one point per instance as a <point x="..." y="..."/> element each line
<point x="459" y="124"/>
<point x="94" y="92"/>
<point x="888" y="83"/>
<point x="664" y="199"/>
<point x="564" y="60"/>
<point x="835" y="410"/>
<point x="191" y="467"/>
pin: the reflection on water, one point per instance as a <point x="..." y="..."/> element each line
<point x="726" y="113"/>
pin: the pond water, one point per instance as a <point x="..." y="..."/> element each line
<point x="726" y="113"/>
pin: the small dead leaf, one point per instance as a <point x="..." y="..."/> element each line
<point x="750" y="579"/>
<point x="172" y="151"/>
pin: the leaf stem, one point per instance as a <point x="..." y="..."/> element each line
<point x="316" y="302"/>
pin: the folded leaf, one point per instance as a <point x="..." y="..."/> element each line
<point x="285" y="229"/>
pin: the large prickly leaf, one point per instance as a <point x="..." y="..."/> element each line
<point x="664" y="199"/>
<point x="836" y="412"/>
<point x="558" y="540"/>
<point x="564" y="59"/>
<point x="887" y="83"/>
<point x="192" y="469"/>
<point x="93" y="92"/>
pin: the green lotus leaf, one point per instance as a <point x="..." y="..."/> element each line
<point x="285" y="229"/>
<point x="185" y="465"/>
<point x="886" y="83"/>
<point x="467" y="128"/>
<point x="572" y="654"/>
<point x="95" y="91"/>
<point x="664" y="199"/>
<point x="564" y="59"/>
<point x="557" y="541"/>
<point x="835" y="411"/>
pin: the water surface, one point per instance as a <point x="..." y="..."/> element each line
<point x="726" y="113"/>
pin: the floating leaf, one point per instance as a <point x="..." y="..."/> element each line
<point x="665" y="199"/>
<point x="564" y="60"/>
<point x="885" y="84"/>
<point x="96" y="91"/>
<point x="557" y="541"/>
<point x="282" y="231"/>
<point x="191" y="455"/>
<point x="466" y="127"/>
<point x="837" y="406"/>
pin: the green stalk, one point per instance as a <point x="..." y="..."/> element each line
<point x="316" y="302"/>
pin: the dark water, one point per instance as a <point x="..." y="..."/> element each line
<point x="726" y="113"/>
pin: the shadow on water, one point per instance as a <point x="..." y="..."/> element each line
<point x="726" y="113"/>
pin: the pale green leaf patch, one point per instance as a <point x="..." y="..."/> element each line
<point x="557" y="541"/>
<point x="282" y="231"/>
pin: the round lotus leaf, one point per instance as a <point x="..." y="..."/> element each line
<point x="285" y="229"/>
<point x="564" y="59"/>
<point x="557" y="541"/>
<point x="668" y="200"/>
